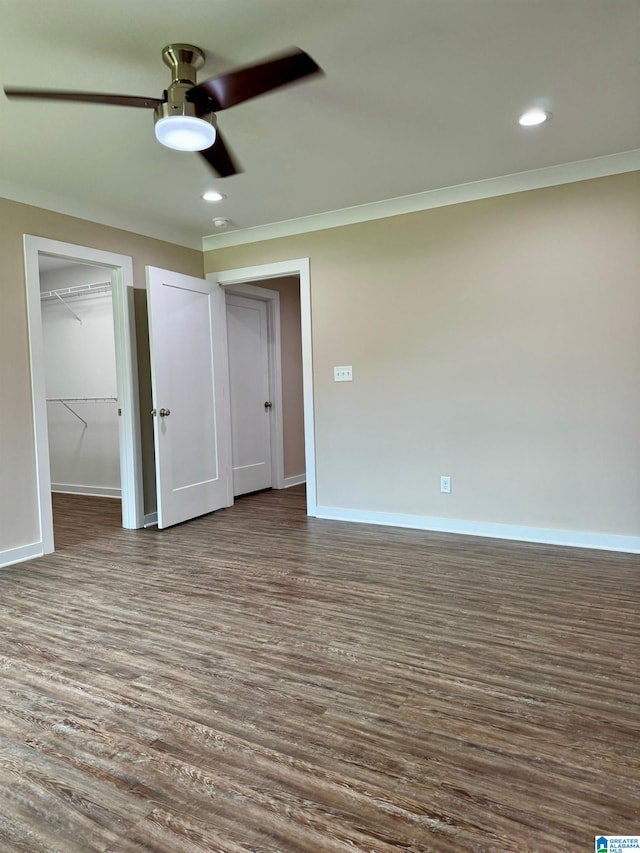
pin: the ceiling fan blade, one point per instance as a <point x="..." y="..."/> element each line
<point x="220" y="158"/>
<point x="86" y="97"/>
<point x="241" y="84"/>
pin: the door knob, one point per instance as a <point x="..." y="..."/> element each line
<point x="164" y="413"/>
<point x="268" y="404"/>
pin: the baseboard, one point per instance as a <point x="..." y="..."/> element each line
<point x="540" y="535"/>
<point x="19" y="555"/>
<point x="90" y="491"/>
<point x="150" y="519"/>
<point x="296" y="480"/>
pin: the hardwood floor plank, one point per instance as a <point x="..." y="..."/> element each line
<point x="255" y="680"/>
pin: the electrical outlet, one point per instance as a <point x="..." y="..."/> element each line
<point x="343" y="374"/>
<point x="445" y="485"/>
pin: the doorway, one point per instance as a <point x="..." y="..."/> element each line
<point x="116" y="273"/>
<point x="266" y="386"/>
<point x="245" y="280"/>
<point x="190" y="387"/>
<point x="80" y="378"/>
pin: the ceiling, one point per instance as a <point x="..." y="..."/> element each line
<point x="51" y="263"/>
<point x="418" y="95"/>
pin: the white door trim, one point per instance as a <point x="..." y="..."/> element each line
<point x="272" y="300"/>
<point x="280" y="269"/>
<point x="121" y="267"/>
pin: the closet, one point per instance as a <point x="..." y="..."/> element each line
<point x="80" y="377"/>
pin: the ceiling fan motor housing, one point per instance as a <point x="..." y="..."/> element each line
<point x="182" y="108"/>
<point x="184" y="60"/>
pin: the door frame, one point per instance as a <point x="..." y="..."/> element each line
<point x="281" y="269"/>
<point x="271" y="298"/>
<point x="121" y="268"/>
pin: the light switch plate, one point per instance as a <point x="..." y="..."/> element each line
<point x="343" y="374"/>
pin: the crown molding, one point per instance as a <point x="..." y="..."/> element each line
<point x="582" y="170"/>
<point x="566" y="173"/>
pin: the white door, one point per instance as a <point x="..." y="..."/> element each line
<point x="251" y="408"/>
<point x="188" y="344"/>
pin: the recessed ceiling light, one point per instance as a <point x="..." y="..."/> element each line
<point x="213" y="195"/>
<point x="221" y="222"/>
<point x="534" y="117"/>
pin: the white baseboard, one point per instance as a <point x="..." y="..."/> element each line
<point x="90" y="491"/>
<point x="296" y="480"/>
<point x="540" y="535"/>
<point x="19" y="555"/>
<point x="150" y="519"/>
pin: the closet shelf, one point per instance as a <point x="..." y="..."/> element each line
<point x="77" y="290"/>
<point x="66" y="400"/>
<point x="82" y="399"/>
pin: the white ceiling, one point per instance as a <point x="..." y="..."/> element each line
<point x="418" y="95"/>
<point x="51" y="263"/>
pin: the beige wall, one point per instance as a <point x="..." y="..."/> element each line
<point x="291" y="358"/>
<point x="496" y="341"/>
<point x="18" y="500"/>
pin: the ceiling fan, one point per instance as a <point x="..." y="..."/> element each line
<point x="185" y="117"/>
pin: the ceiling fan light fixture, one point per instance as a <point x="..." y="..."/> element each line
<point x="185" y="133"/>
<point x="185" y="116"/>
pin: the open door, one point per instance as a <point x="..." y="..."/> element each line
<point x="189" y="378"/>
<point x="251" y="406"/>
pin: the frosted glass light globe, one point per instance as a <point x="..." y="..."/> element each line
<point x="185" y="133"/>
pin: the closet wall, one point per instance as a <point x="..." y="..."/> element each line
<point x="80" y="372"/>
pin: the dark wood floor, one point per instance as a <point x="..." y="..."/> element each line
<point x="259" y="681"/>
